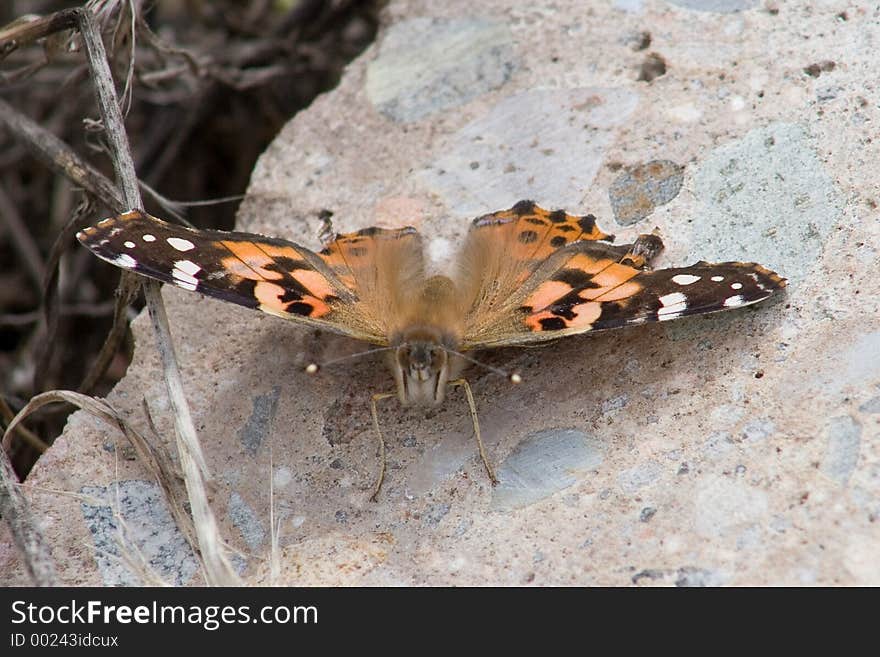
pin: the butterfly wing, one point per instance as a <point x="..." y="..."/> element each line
<point x="337" y="290"/>
<point x="504" y="249"/>
<point x="590" y="285"/>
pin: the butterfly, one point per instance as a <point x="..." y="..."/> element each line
<point x="524" y="276"/>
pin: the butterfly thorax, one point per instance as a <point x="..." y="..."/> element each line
<point x="428" y="335"/>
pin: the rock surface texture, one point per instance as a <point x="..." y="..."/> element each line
<point x="739" y="449"/>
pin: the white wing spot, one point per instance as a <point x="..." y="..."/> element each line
<point x="717" y="279"/>
<point x="733" y="302"/>
<point x="685" y="279"/>
<point x="736" y="286"/>
<point x="149" y="238"/>
<point x="674" y="304"/>
<point x="187" y="267"/>
<point x="184" y="280"/>
<point x="104" y="222"/>
<point x="672" y="299"/>
<point x="180" y="244"/>
<point x="129" y="245"/>
<point x="671" y="312"/>
<point x="125" y="261"/>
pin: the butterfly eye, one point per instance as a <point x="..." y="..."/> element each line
<point x="421" y="357"/>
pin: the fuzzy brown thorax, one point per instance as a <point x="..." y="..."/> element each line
<point x="423" y="360"/>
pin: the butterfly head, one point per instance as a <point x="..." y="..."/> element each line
<point x="422" y="366"/>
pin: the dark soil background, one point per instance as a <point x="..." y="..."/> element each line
<point x="206" y="85"/>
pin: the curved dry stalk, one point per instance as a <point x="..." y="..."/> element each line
<point x="153" y="456"/>
<point x="26" y="434"/>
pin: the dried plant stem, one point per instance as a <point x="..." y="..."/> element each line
<point x="24" y="433"/>
<point x="16" y="510"/>
<point x="21" y="237"/>
<point x="218" y="570"/>
<point x="21" y="33"/>
<point x="59" y="157"/>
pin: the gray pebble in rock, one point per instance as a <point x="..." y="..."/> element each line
<point x="132" y="516"/>
<point x="636" y="192"/>
<point x="542" y="464"/>
<point x="544" y="144"/>
<point x="256" y="428"/>
<point x="644" y="474"/>
<point x="246" y="521"/>
<point x="435" y="513"/>
<point x="690" y="576"/>
<point x="429" y="64"/>
<point x="765" y="198"/>
<point x="843" y="437"/>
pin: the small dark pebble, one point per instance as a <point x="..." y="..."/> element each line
<point x="647" y="574"/>
<point x="817" y="69"/>
<point x="653" y="67"/>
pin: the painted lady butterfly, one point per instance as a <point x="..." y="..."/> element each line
<point x="524" y="276"/>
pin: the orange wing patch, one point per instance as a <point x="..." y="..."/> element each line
<point x="284" y="283"/>
<point x="572" y="298"/>
<point x="353" y="256"/>
<point x="538" y="232"/>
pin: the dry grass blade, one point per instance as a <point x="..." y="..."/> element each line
<point x="15" y="509"/>
<point x="25" y="434"/>
<point x="59" y="157"/>
<point x="154" y="457"/>
<point x="217" y="568"/>
<point x="192" y="461"/>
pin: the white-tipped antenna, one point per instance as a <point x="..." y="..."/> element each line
<point x="513" y="377"/>
<point x="314" y="368"/>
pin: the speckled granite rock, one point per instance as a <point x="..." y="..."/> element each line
<point x="737" y="449"/>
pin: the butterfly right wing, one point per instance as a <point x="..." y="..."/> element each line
<point x="272" y="275"/>
<point x="504" y="249"/>
<point x="587" y="287"/>
<point x="529" y="276"/>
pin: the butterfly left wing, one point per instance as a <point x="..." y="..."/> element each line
<point x="272" y="275"/>
<point x="591" y="286"/>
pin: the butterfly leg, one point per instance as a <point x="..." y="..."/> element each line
<point x="375" y="398"/>
<point x="473" y="408"/>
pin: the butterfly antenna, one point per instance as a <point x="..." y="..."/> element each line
<point x="513" y="377"/>
<point x="314" y="368"/>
